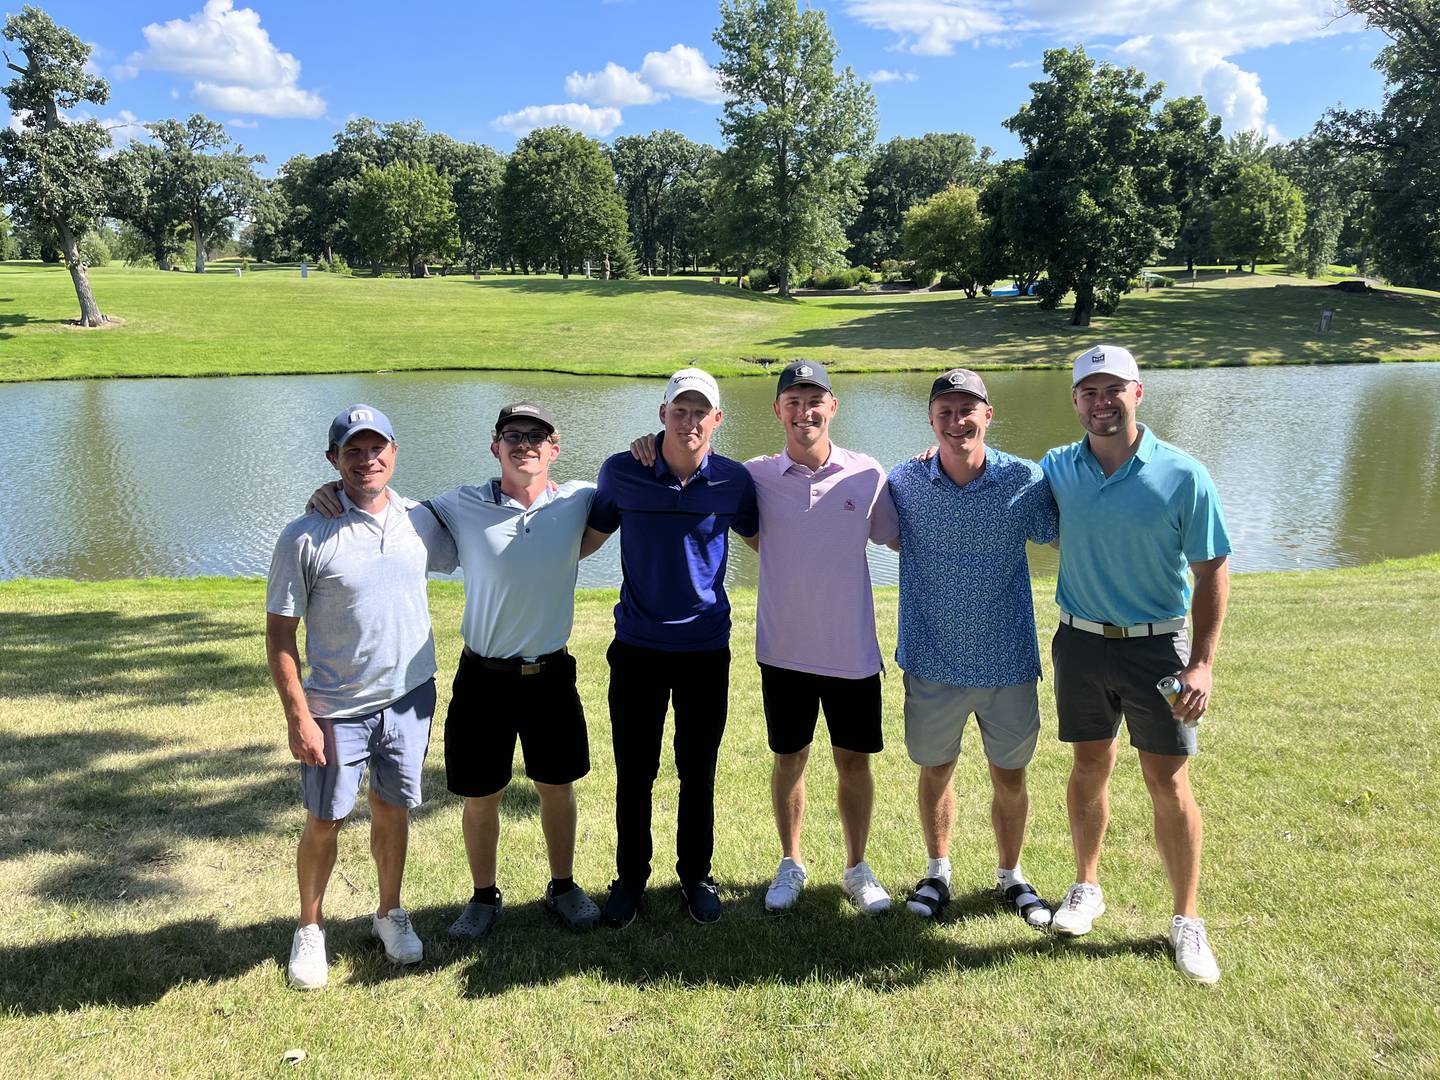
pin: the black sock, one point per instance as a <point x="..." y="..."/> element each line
<point x="490" y="895"/>
<point x="560" y="886"/>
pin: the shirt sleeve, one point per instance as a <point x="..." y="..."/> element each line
<point x="287" y="589"/>
<point x="1202" y="522"/>
<point x="604" y="508"/>
<point x="442" y="557"/>
<point x="746" y="521"/>
<point x="1044" y="517"/>
<point x="884" y="519"/>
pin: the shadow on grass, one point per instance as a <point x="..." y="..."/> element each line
<point x="147" y="660"/>
<point x="642" y="287"/>
<point x="824" y="940"/>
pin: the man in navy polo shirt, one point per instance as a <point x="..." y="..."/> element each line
<point x="967" y="629"/>
<point x="1135" y="514"/>
<point x="672" y="634"/>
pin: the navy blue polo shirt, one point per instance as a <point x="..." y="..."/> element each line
<point x="673" y="546"/>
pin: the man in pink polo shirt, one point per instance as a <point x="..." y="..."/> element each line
<point x="819" y="505"/>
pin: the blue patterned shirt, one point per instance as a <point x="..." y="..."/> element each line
<point x="966" y="613"/>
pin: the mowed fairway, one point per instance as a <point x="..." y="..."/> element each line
<point x="148" y="819"/>
<point x="270" y="321"/>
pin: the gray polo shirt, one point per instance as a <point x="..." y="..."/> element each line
<point x="520" y="565"/>
<point x="358" y="581"/>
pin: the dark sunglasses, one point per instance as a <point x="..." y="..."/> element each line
<point x="534" y="438"/>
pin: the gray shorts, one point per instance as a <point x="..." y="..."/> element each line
<point x="392" y="742"/>
<point x="935" y="715"/>
<point x="1098" y="680"/>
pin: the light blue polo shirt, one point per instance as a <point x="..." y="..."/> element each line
<point x="519" y="563"/>
<point x="966" y="613"/>
<point x="1126" y="541"/>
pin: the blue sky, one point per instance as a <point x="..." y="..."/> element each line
<point x="285" y="76"/>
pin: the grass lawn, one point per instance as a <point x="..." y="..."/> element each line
<point x="272" y="322"/>
<point x="148" y="817"/>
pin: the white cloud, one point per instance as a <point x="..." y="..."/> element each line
<point x="234" y="64"/>
<point x="124" y="127"/>
<point x="1188" y="44"/>
<point x="614" y="86"/>
<point x="884" y="75"/>
<point x="1020" y="65"/>
<point x="682" y="70"/>
<point x="237" y="122"/>
<point x="592" y="121"/>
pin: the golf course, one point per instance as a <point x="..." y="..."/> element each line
<point x="270" y="321"/>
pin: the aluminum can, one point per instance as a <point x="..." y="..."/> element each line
<point x="1170" y="689"/>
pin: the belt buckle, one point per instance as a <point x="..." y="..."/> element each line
<point x="531" y="669"/>
<point x="1114" y="631"/>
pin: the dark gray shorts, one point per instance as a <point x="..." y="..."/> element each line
<point x="1098" y="680"/>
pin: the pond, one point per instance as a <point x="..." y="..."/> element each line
<point x="1317" y="466"/>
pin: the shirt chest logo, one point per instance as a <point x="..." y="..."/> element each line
<point x="849" y="504"/>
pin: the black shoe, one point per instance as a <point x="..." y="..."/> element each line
<point x="622" y="906"/>
<point x="702" y="901"/>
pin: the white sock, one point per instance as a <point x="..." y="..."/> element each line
<point x="938" y="868"/>
<point x="1004" y="877"/>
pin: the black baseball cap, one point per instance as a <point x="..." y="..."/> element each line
<point x="959" y="381"/>
<point x="525" y="410"/>
<point x="802" y="373"/>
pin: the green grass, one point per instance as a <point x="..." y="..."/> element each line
<point x="272" y="322"/>
<point x="148" y="818"/>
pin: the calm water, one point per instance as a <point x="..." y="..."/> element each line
<point x="1317" y="467"/>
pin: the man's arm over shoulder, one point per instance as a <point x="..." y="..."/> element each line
<point x="1043" y="516"/>
<point x="604" y="516"/>
<point x="746" y="521"/>
<point x="442" y="556"/>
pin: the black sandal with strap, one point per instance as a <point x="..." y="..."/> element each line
<point x="1024" y="901"/>
<point x="933" y="904"/>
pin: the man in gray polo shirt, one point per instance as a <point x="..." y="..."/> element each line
<point x="519" y="543"/>
<point x="358" y="581"/>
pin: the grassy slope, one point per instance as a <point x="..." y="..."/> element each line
<point x="268" y="322"/>
<point x="148" y="818"/>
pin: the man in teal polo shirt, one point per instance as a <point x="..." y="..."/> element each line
<point x="1135" y="514"/>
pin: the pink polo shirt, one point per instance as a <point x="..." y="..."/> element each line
<point x="815" y="611"/>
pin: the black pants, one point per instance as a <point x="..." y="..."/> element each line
<point x="643" y="682"/>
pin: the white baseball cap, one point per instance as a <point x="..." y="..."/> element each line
<point x="692" y="378"/>
<point x="1106" y="360"/>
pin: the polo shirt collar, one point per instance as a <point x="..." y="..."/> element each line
<point x="1143" y="453"/>
<point x="662" y="468"/>
<point x="491" y="493"/>
<point x="786" y="462"/>
<point x="347" y="505"/>
<point x="983" y="478"/>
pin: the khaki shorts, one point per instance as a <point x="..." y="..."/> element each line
<point x="935" y="716"/>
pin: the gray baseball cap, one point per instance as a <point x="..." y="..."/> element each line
<point x="358" y="418"/>
<point x="525" y="410"/>
<point x="802" y="373"/>
<point x="959" y="381"/>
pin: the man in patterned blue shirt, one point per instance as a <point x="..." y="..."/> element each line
<point x="967" y="628"/>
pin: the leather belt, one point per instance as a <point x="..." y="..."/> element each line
<point x="516" y="665"/>
<point x="1144" y="629"/>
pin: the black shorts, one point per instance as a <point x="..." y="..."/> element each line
<point x="492" y="703"/>
<point x="1098" y="680"/>
<point x="792" y="707"/>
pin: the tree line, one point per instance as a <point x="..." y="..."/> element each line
<point x="1113" y="176"/>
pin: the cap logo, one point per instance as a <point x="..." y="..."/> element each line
<point x="956" y="379"/>
<point x="804" y="372"/>
<point x="361" y="416"/>
<point x="522" y="408"/>
<point x="1098" y="356"/>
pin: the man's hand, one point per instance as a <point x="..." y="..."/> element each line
<point x="307" y="742"/>
<point x="325" y="500"/>
<point x="1195" y="698"/>
<point x="643" y="449"/>
<point x="926" y="454"/>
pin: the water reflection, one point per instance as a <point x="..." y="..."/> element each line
<point x="1317" y="466"/>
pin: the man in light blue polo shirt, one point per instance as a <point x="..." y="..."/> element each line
<point x="1135" y="514"/>
<point x="967" y="628"/>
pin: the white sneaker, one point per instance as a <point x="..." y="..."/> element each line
<point x="402" y="944"/>
<point x="1076" y="915"/>
<point x="785" y="889"/>
<point x="867" y="894"/>
<point x="1192" y="950"/>
<point x="308" y="969"/>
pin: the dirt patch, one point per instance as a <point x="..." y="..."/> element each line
<point x="110" y="323"/>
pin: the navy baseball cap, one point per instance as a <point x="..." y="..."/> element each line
<point x="959" y="381"/>
<point x="802" y="373"/>
<point x="359" y="418"/>
<point x="525" y="410"/>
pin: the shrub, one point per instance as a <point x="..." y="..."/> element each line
<point x="846" y="278"/>
<point x="93" y="250"/>
<point x="760" y="280"/>
<point x="336" y="264"/>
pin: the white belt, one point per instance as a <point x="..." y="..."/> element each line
<point x="1144" y="629"/>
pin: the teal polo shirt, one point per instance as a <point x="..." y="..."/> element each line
<point x="1127" y="540"/>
